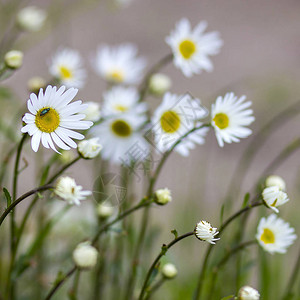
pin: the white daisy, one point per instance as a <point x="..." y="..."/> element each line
<point x="176" y="115"/>
<point x="122" y="99"/>
<point x="121" y="139"/>
<point x="66" y="65"/>
<point x="67" y="189"/>
<point x="275" y="235"/>
<point x="119" y="64"/>
<point x="229" y="116"/>
<point x="274" y="197"/>
<point x="205" y="232"/>
<point x="192" y="48"/>
<point x="51" y="117"/>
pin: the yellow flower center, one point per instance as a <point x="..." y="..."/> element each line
<point x="170" y="121"/>
<point x="187" y="48"/>
<point x="121" y="108"/>
<point x="47" y="119"/>
<point x="221" y="120"/>
<point x="121" y="128"/>
<point x="116" y="75"/>
<point x="65" y="72"/>
<point x="268" y="236"/>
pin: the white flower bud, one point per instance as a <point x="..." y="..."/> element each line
<point x="13" y="59"/>
<point x="205" y="232"/>
<point x="169" y="271"/>
<point x="89" y="148"/>
<point x="163" y="196"/>
<point x="248" y="293"/>
<point x="159" y="84"/>
<point x="92" y="113"/>
<point x="104" y="210"/>
<point x="273" y="197"/>
<point x="31" y="18"/>
<point x="66" y="156"/>
<point x="35" y="84"/>
<point x="275" y="180"/>
<point x="85" y="256"/>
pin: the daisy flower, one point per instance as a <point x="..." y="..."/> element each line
<point x="122" y="99"/>
<point x="274" y="197"/>
<point x="275" y="235"/>
<point x="66" y="65"/>
<point x="51" y="117"/>
<point x="121" y="140"/>
<point x="176" y="115"/>
<point x="229" y="116"/>
<point x="119" y="64"/>
<point x="192" y="48"/>
<point x="205" y="232"/>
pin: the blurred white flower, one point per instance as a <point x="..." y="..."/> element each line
<point x="248" y="293"/>
<point x="274" y="197"/>
<point x="275" y="235"/>
<point x="66" y="65"/>
<point x="176" y="115"/>
<point x="51" y="117"/>
<point x="169" y="271"/>
<point x="163" y="196"/>
<point x="36" y="83"/>
<point x="66" y="156"/>
<point x="192" y="48"/>
<point x="205" y="232"/>
<point x="85" y="256"/>
<point x="92" y="112"/>
<point x="229" y="116"/>
<point x="105" y="210"/>
<point x="13" y="59"/>
<point x="121" y="99"/>
<point x="159" y="84"/>
<point x="274" y="180"/>
<point x="31" y="18"/>
<point x="67" y="189"/>
<point x="89" y="148"/>
<point x="119" y="64"/>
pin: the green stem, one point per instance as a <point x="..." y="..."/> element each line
<point x="163" y="251"/>
<point x="155" y="287"/>
<point x="74" y="289"/>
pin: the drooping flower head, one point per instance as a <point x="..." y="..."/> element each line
<point x="163" y="196"/>
<point x="119" y="64"/>
<point x="274" y="197"/>
<point x="192" y="48"/>
<point x="229" y="116"/>
<point x="205" y="232"/>
<point x="66" y="65"/>
<point x="52" y="117"/>
<point x="176" y="115"/>
<point x="275" y="235"/>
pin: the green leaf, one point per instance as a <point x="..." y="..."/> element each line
<point x="174" y="231"/>
<point x="246" y="200"/>
<point x="7" y="196"/>
<point x="228" y="297"/>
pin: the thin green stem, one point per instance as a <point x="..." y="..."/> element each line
<point x="73" y="291"/>
<point x="163" y="251"/>
<point x="155" y="287"/>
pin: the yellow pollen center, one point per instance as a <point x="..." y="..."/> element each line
<point x="187" y="48"/>
<point x="65" y="72"/>
<point x="121" y="128"/>
<point x="170" y="121"/>
<point x="221" y="120"/>
<point x="47" y="119"/>
<point x="120" y="108"/>
<point x="116" y="76"/>
<point x="268" y="236"/>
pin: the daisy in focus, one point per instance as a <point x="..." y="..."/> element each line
<point x="177" y="115"/>
<point x="192" y="48"/>
<point x="274" y="197"/>
<point x="119" y="64"/>
<point x="66" y="65"/>
<point x="121" y="100"/>
<point x="275" y="235"/>
<point x="229" y="116"/>
<point x="205" y="232"/>
<point x="52" y="118"/>
<point x="119" y="135"/>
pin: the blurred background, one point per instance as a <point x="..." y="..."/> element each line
<point x="259" y="59"/>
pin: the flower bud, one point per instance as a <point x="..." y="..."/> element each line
<point x="85" y="256"/>
<point x="159" y="84"/>
<point x="89" y="148"/>
<point x="169" y="271"/>
<point x="273" y="197"/>
<point x="163" y="196"/>
<point x="205" y="232"/>
<point x="31" y="18"/>
<point x="104" y="210"/>
<point x="248" y="293"/>
<point x="13" y="59"/>
<point x="92" y="113"/>
<point x="35" y="84"/>
<point x="275" y="180"/>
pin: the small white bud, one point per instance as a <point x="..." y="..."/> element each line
<point x="248" y="293"/>
<point x="169" y="271"/>
<point x="205" y="232"/>
<point x="92" y="113"/>
<point x="159" y="84"/>
<point x="275" y="180"/>
<point x="85" y="256"/>
<point x="31" y="18"/>
<point x="35" y="84"/>
<point x="163" y="196"/>
<point x="13" y="59"/>
<point x="89" y="148"/>
<point x="66" y="156"/>
<point x="104" y="210"/>
<point x="273" y="197"/>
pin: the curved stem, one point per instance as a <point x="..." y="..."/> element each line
<point x="155" y="287"/>
<point x="163" y="251"/>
